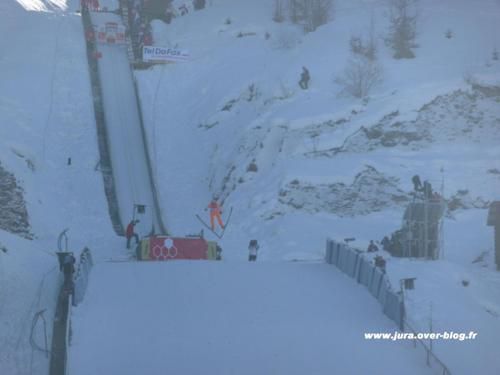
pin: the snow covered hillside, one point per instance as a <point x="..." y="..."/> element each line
<point x="46" y="118"/>
<point x="237" y="124"/>
<point x="299" y="165"/>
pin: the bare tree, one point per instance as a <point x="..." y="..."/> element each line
<point x="310" y="13"/>
<point x="403" y="19"/>
<point x="279" y="11"/>
<point x="360" y="76"/>
<point x="365" y="46"/>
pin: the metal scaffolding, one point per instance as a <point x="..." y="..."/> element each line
<point x="423" y="227"/>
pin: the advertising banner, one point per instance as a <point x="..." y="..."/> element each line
<point x="162" y="54"/>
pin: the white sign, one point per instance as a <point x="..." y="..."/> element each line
<point x="162" y="54"/>
<point x="111" y="33"/>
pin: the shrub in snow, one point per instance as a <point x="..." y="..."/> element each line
<point x="227" y="21"/>
<point x="359" y="77"/>
<point x="252" y="92"/>
<point x="310" y="13"/>
<point x="242" y="34"/>
<point x="198" y="4"/>
<point x="403" y="26"/>
<point x="365" y="46"/>
<point x="252" y="167"/>
<point x="163" y="10"/>
<point x="448" y="34"/>
<point x="495" y="54"/>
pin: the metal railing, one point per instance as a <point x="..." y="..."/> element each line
<point x="431" y="359"/>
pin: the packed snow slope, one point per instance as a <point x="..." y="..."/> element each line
<point x="46" y="117"/>
<point x="128" y="155"/>
<point x="231" y="318"/>
<point x="233" y="121"/>
<point x="298" y="165"/>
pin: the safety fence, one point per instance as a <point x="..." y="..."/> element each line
<point x="352" y="262"/>
<point x="40" y="330"/>
<point x="82" y="276"/>
<point x="70" y="295"/>
<point x="104" y="164"/>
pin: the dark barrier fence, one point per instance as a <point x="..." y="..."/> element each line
<point x="105" y="165"/>
<point x="354" y="264"/>
<point x="70" y="295"/>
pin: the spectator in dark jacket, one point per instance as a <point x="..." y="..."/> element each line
<point x="372" y="247"/>
<point x="253" y="246"/>
<point x="304" y="79"/>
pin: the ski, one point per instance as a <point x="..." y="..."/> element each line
<point x="207" y="226"/>
<point x="226" y="223"/>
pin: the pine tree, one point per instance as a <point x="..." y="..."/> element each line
<point x="403" y="19"/>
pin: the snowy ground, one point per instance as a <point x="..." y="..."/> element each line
<point x="47" y="117"/>
<point x="237" y="102"/>
<point x="231" y="318"/>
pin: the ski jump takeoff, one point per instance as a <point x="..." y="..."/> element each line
<point x="215" y="214"/>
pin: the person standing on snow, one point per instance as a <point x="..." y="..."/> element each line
<point x="215" y="212"/>
<point x="372" y="247"/>
<point x="304" y="79"/>
<point x="253" y="246"/>
<point x="130" y="233"/>
<point x="417" y="184"/>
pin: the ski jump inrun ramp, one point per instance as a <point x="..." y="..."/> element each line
<point x="134" y="185"/>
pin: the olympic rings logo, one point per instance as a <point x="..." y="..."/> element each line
<point x="168" y="250"/>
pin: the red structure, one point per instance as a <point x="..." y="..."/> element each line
<point x="163" y="248"/>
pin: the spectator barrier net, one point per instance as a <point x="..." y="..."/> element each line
<point x="355" y="265"/>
